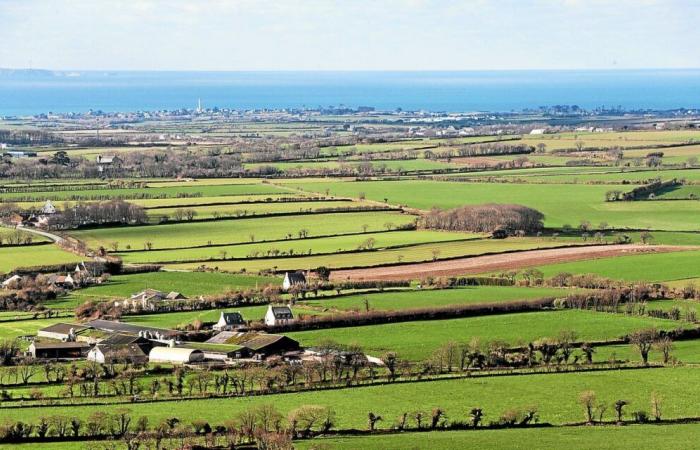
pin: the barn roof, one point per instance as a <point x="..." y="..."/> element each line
<point x="252" y="340"/>
<point x="124" y="350"/>
<point x="64" y="328"/>
<point x="172" y="353"/>
<point x="128" y="328"/>
<point x="59" y="344"/>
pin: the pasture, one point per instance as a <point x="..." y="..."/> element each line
<point x="561" y="204"/>
<point x="417" y="340"/>
<point x="494" y="395"/>
<point x="239" y="230"/>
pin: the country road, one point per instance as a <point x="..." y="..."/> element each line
<point x="54" y="237"/>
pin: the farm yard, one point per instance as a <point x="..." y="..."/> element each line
<point x="496" y="289"/>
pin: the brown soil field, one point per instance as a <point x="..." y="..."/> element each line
<point x="490" y="263"/>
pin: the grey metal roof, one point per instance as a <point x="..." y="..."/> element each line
<point x="128" y="328"/>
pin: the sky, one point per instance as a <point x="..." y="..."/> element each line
<point x="349" y="34"/>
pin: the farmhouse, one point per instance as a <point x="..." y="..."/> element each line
<point x="58" y="350"/>
<point x="229" y="321"/>
<point x="149" y="298"/>
<point x="175" y="355"/>
<point x="105" y="162"/>
<point x="66" y="281"/>
<point x="292" y="279"/>
<point x="278" y="315"/>
<point x="48" y="208"/>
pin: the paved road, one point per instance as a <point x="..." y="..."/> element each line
<point x="54" y="237"/>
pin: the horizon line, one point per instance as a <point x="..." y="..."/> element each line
<point x="612" y="69"/>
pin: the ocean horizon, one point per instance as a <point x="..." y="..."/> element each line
<point x="38" y="92"/>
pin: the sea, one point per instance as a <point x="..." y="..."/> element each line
<point x="25" y="93"/>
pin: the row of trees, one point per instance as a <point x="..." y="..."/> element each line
<point x="485" y="218"/>
<point x="594" y="409"/>
<point x="110" y="212"/>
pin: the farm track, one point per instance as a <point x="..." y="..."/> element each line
<point x="489" y="263"/>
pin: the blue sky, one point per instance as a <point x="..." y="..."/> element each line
<point x="349" y="34"/>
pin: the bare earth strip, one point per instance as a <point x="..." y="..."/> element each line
<point x="490" y="263"/>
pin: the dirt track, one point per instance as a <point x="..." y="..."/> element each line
<point x="490" y="263"/>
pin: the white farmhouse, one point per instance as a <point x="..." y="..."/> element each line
<point x="278" y="315"/>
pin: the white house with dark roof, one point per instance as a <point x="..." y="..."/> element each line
<point x="293" y="278"/>
<point x="278" y="315"/>
<point x="229" y="321"/>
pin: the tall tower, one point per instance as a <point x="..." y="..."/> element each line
<point x="199" y="105"/>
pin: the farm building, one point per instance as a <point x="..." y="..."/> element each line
<point x="128" y="339"/>
<point x="48" y="208"/>
<point x="292" y="279"/>
<point x="58" y="350"/>
<point x="62" y="331"/>
<point x="256" y="344"/>
<point x="10" y="281"/>
<point x="218" y="352"/>
<point x="229" y="321"/>
<point x="148" y="298"/>
<point x="175" y="355"/>
<point x="278" y="315"/>
<point x="132" y="353"/>
<point x="66" y="281"/>
<point x="131" y="329"/>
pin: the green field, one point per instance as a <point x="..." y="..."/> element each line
<point x="187" y="283"/>
<point x="397" y="300"/>
<point x="34" y="255"/>
<point x="555" y="395"/>
<point x="297" y="246"/>
<point x="239" y="230"/>
<point x="255" y="209"/>
<point x="417" y="340"/>
<point x="656" y="437"/>
<point x="175" y="191"/>
<point x="646" y="267"/>
<point x="391" y="300"/>
<point x="561" y="204"/>
<point x="415" y="253"/>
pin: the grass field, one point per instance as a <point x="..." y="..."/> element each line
<point x="256" y="209"/>
<point x="239" y="230"/>
<point x="561" y="204"/>
<point x="175" y="191"/>
<point x="555" y="395"/>
<point x="647" y="267"/>
<point x="299" y="246"/>
<point x="417" y="340"/>
<point x="415" y="253"/>
<point x="396" y="300"/>
<point x="653" y="437"/>
<point x="391" y="300"/>
<point x="34" y="255"/>
<point x="187" y="283"/>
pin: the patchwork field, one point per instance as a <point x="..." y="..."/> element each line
<point x="391" y="317"/>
